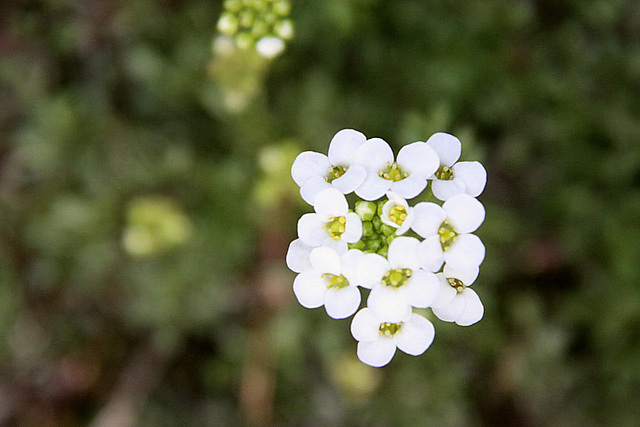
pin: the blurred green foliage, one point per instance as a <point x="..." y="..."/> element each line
<point x="120" y="116"/>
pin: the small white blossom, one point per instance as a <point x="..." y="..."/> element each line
<point x="453" y="178"/>
<point x="397" y="283"/>
<point x="447" y="232"/>
<point x="270" y="46"/>
<point x="314" y="172"/>
<point x="407" y="176"/>
<point x="456" y="302"/>
<point x="397" y="213"/>
<point x="332" y="224"/>
<point x="331" y="281"/>
<point x="378" y="340"/>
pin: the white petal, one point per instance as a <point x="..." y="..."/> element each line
<point x="433" y="254"/>
<point x="465" y="253"/>
<point x="389" y="304"/>
<point x="342" y="303"/>
<point x="410" y="187"/>
<point x="339" y="245"/>
<point x="446" y="189"/>
<point x="325" y="260"/>
<point x="467" y="276"/>
<point x="473" y="310"/>
<point x="309" y="164"/>
<point x="428" y="219"/>
<point x="365" y="326"/>
<point x="374" y="155"/>
<point x="447" y="147"/>
<point x="349" y="263"/>
<point x="376" y="353"/>
<point x="352" y="179"/>
<point x="474" y="176"/>
<point x="371" y="268"/>
<point x="353" y="228"/>
<point x="464" y="212"/>
<point x="298" y="256"/>
<point x="312" y="187"/>
<point x="310" y="289"/>
<point x="419" y="159"/>
<point x="373" y="187"/>
<point x="331" y="202"/>
<point x="404" y="252"/>
<point x="446" y="292"/>
<point x="422" y="289"/>
<point x="415" y="336"/>
<point x="451" y="311"/>
<point x="310" y="229"/>
<point x="343" y="146"/>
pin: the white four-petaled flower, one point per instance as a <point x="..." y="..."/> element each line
<point x="453" y="178"/>
<point x="332" y="224"/>
<point x="331" y="281"/>
<point x="378" y="339"/>
<point x="447" y="232"/>
<point x="456" y="302"/>
<point x="397" y="283"/>
<point x="407" y="176"/>
<point x="397" y="213"/>
<point x="314" y="172"/>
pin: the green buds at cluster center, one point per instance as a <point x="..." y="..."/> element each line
<point x="335" y="282"/>
<point x="393" y="172"/>
<point x="335" y="172"/>
<point x="396" y="278"/>
<point x="445" y="173"/>
<point x="456" y="284"/>
<point x="389" y="329"/>
<point x="335" y="226"/>
<point x="447" y="234"/>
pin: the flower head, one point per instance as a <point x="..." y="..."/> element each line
<point x="407" y="176"/>
<point x="453" y="178"/>
<point x="314" y="172"/>
<point x="331" y="281"/>
<point x="378" y="339"/>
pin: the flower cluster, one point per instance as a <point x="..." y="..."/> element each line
<point x="262" y="24"/>
<point x="402" y="256"/>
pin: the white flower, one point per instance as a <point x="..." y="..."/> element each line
<point x="453" y="178"/>
<point x="270" y="46"/>
<point x="397" y="284"/>
<point x="331" y="281"/>
<point x="407" y="176"/>
<point x="447" y="232"/>
<point x="378" y="340"/>
<point x="397" y="213"/>
<point x="456" y="302"/>
<point x="314" y="172"/>
<point x="298" y="256"/>
<point x="332" y="224"/>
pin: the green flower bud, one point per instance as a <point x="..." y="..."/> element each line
<point x="367" y="228"/>
<point x="365" y="210"/>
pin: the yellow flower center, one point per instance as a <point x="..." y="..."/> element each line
<point x="393" y="172"/>
<point x="335" y="282"/>
<point x="445" y="173"/>
<point x="447" y="234"/>
<point x="335" y="226"/>
<point x="389" y="329"/>
<point x="396" y="278"/>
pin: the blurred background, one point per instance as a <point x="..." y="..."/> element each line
<point x="146" y="207"/>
